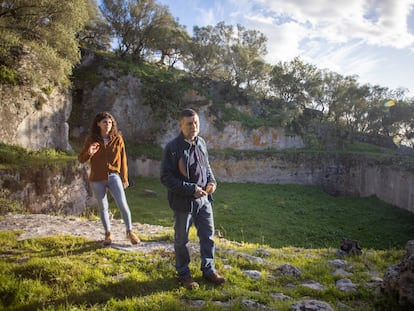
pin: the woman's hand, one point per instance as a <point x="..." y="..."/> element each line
<point x="125" y="184"/>
<point x="93" y="148"/>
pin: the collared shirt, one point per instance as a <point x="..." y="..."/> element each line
<point x="198" y="172"/>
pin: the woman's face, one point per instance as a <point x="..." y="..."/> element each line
<point x="105" y="125"/>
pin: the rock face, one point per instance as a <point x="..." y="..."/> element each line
<point x="348" y="175"/>
<point x="399" y="279"/>
<point x="34" y="119"/>
<point x="140" y="123"/>
<point x="122" y="98"/>
<point x="54" y="188"/>
<point x="234" y="135"/>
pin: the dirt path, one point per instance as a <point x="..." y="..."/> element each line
<point x="41" y="225"/>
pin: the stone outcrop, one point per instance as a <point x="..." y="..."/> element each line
<point x="53" y="188"/>
<point x="392" y="181"/>
<point x="33" y="119"/>
<point x="122" y="95"/>
<point x="234" y="135"/>
<point x="399" y="279"/>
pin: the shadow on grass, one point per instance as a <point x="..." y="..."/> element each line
<point x="53" y="248"/>
<point x="121" y="290"/>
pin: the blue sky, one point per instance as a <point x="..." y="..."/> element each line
<point x="373" y="39"/>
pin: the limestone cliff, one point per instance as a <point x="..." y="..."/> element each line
<point x="32" y="119"/>
<point x="53" y="188"/>
<point x="122" y="95"/>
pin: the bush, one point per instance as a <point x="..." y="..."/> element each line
<point x="8" y="75"/>
<point x="9" y="206"/>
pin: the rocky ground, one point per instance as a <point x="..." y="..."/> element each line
<point x="41" y="225"/>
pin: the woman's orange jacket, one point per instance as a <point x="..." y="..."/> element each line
<point x="108" y="159"/>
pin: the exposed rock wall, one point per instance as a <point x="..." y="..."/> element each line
<point x="235" y="136"/>
<point x="139" y="123"/>
<point x="394" y="185"/>
<point x="399" y="279"/>
<point x="54" y="188"/>
<point x="34" y="120"/>
<point x="339" y="175"/>
<point x="64" y="187"/>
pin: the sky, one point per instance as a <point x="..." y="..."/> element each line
<point x="372" y="39"/>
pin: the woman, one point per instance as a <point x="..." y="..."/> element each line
<point x="105" y="149"/>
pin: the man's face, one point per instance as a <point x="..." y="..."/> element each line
<point x="190" y="127"/>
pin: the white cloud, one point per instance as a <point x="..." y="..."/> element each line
<point x="283" y="40"/>
<point x="350" y="37"/>
<point x="379" y="22"/>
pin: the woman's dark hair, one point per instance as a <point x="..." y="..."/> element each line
<point x="95" y="131"/>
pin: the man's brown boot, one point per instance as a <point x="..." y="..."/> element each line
<point x="108" y="238"/>
<point x="214" y="278"/>
<point x="188" y="282"/>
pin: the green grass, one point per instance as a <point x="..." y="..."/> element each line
<point x="73" y="273"/>
<point x="13" y="156"/>
<point x="283" y="224"/>
<point x="285" y="215"/>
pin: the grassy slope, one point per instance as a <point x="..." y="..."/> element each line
<point x="286" y="215"/>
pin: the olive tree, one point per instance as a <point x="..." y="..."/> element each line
<point x="139" y="26"/>
<point x="45" y="29"/>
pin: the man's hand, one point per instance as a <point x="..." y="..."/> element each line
<point x="210" y="188"/>
<point x="199" y="193"/>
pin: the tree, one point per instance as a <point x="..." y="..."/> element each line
<point x="226" y="53"/>
<point x="97" y="32"/>
<point x="205" y="54"/>
<point x="168" y="38"/>
<point x="244" y="56"/>
<point x="295" y="82"/>
<point x="46" y="29"/>
<point x="136" y="25"/>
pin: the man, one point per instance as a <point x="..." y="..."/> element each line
<point x="186" y="172"/>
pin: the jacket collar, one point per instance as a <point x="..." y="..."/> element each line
<point x="184" y="142"/>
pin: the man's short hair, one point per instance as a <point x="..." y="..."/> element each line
<point x="188" y="112"/>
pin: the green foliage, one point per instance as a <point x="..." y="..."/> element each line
<point x="8" y="75"/>
<point x="138" y="25"/>
<point x="50" y="61"/>
<point x="12" y="156"/>
<point x="47" y="89"/>
<point x="231" y="54"/>
<point x="8" y="205"/>
<point x="45" y="30"/>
